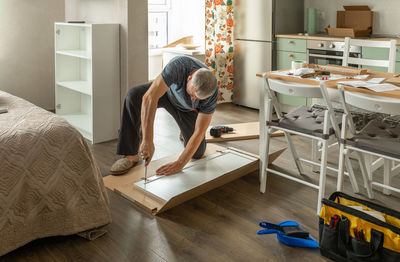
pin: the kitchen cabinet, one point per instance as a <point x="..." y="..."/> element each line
<point x="284" y="59"/>
<point x="288" y="50"/>
<point x="380" y="54"/>
<point x="291" y="45"/>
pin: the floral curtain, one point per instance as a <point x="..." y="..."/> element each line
<point x="219" y="45"/>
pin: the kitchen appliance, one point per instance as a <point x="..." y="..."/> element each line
<point x="256" y="23"/>
<point x="328" y="52"/>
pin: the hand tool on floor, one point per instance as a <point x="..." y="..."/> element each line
<point x="216" y="131"/>
<point x="289" y="233"/>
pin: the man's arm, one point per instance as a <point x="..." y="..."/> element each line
<point x="148" y="112"/>
<point x="202" y="123"/>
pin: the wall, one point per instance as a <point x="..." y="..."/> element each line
<point x="132" y="17"/>
<point x="386" y="16"/>
<point x="27" y="48"/>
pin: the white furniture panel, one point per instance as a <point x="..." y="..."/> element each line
<point x="195" y="174"/>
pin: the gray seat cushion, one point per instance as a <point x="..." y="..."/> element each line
<point x="307" y="120"/>
<point x="378" y="137"/>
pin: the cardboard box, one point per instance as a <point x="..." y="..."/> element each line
<point x="355" y="21"/>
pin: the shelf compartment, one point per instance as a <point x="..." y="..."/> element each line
<point x="73" y="40"/>
<point x="76" y="108"/>
<point x="70" y="68"/>
<point x="78" y="86"/>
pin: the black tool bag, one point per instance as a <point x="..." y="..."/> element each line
<point x="349" y="234"/>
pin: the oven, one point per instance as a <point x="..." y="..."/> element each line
<point x="328" y="52"/>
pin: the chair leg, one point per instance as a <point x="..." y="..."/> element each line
<point x="339" y="186"/>
<point x="264" y="162"/>
<point x="314" y="154"/>
<point x="322" y="176"/>
<point x="387" y="175"/>
<point x="294" y="153"/>
<point x="261" y="150"/>
<point x="364" y="175"/>
<point x="368" y="164"/>
<point x="352" y="177"/>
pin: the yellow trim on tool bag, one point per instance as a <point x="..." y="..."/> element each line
<point x="389" y="219"/>
<point x="391" y="239"/>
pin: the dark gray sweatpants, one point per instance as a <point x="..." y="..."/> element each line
<point x="129" y="138"/>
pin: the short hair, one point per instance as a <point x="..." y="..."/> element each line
<point x="205" y="83"/>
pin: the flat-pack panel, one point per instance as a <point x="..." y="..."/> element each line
<point x="198" y="173"/>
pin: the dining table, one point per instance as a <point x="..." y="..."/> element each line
<point x="391" y="78"/>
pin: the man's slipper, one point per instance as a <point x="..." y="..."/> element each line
<point x="121" y="166"/>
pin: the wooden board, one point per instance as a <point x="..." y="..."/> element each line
<point x="123" y="184"/>
<point x="241" y="131"/>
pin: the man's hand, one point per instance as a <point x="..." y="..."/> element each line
<point x="147" y="151"/>
<point x="170" y="169"/>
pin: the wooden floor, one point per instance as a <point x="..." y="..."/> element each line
<point x="220" y="225"/>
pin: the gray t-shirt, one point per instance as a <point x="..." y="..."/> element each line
<point x="175" y="75"/>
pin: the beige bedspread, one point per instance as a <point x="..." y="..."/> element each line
<point x="49" y="182"/>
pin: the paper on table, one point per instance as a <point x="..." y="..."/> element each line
<point x="376" y="80"/>
<point x="289" y="73"/>
<point x="371" y="86"/>
<point x="361" y="76"/>
<point x="355" y="83"/>
<point x="332" y="77"/>
<point x="382" y="87"/>
<point x="303" y="71"/>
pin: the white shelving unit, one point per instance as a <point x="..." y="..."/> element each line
<point x="87" y="78"/>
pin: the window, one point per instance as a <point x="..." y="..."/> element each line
<point x="158" y="23"/>
<point x="170" y="20"/>
<point x="158" y="29"/>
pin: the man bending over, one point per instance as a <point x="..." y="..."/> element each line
<point x="188" y="91"/>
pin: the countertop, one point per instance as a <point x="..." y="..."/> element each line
<point x="181" y="50"/>
<point x="331" y="38"/>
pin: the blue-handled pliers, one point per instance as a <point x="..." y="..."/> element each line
<point x="277" y="229"/>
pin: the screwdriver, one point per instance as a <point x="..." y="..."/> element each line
<point x="145" y="170"/>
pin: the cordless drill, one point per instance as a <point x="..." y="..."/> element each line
<point x="216" y="131"/>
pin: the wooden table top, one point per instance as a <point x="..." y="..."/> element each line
<point x="390" y="78"/>
<point x="323" y="37"/>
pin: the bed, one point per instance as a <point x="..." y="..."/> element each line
<point x="50" y="184"/>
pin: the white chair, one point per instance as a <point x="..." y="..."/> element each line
<point x="376" y="138"/>
<point x="333" y="94"/>
<point x="389" y="64"/>
<point x="312" y="123"/>
<point x="372" y="164"/>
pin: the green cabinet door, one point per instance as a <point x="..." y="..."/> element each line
<point x="284" y="61"/>
<point x="292" y="45"/>
<point x="380" y="54"/>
